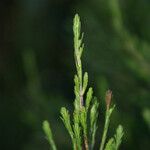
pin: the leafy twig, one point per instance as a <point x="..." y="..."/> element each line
<point x="48" y="133"/>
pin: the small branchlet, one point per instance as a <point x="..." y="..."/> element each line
<point x="93" y="122"/>
<point x="77" y="129"/>
<point x="83" y="121"/>
<point x="85" y="82"/>
<point x="66" y="120"/>
<point x="114" y="142"/>
<point x="85" y="110"/>
<point x="108" y="113"/>
<point x="48" y="133"/>
<point x="78" y="49"/>
<point x="118" y="136"/>
<point x="89" y="98"/>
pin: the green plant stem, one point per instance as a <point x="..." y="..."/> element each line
<point x="107" y="120"/>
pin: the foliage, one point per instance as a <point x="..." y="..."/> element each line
<point x="36" y="67"/>
<point x="48" y="132"/>
<point x="83" y="134"/>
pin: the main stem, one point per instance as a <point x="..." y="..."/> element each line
<point x="78" y="48"/>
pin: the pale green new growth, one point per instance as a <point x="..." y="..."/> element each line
<point x="66" y="120"/>
<point x="82" y="126"/>
<point x="48" y="133"/>
<point x="118" y="136"/>
<point x="114" y="143"/>
<point x="88" y="98"/>
<point x="93" y="122"/>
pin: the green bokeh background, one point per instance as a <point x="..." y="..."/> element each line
<point x="37" y="68"/>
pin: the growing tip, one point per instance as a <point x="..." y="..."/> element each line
<point x="76" y="15"/>
<point x="76" y="19"/>
<point x="108" y="98"/>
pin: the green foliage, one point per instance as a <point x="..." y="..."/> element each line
<point x="66" y="120"/>
<point x="88" y="98"/>
<point x="118" y="136"/>
<point x="93" y="122"/>
<point x="114" y="143"/>
<point x="83" y="134"/>
<point x="48" y="133"/>
<point x="36" y="67"/>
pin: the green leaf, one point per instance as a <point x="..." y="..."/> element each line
<point x="77" y="84"/>
<point x="89" y="98"/>
<point x="85" y="82"/>
<point x="93" y="122"/>
<point x="77" y="93"/>
<point x="66" y="120"/>
<point x="114" y="143"/>
<point x="77" y="129"/>
<point x="83" y="119"/>
<point x="118" y="136"/>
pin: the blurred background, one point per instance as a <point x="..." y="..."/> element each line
<point x="37" y="68"/>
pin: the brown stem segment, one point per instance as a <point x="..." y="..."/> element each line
<point x="86" y="143"/>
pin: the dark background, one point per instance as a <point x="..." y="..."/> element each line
<point x="37" y="67"/>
